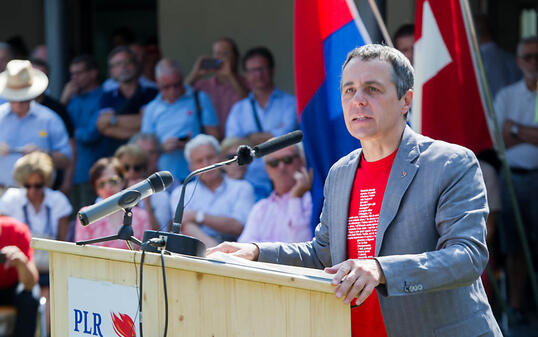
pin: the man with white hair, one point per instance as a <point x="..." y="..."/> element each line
<point x="218" y="206"/>
<point x="284" y="216"/>
<point x="176" y="115"/>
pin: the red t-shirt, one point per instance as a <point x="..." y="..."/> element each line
<point x="13" y="233"/>
<point x="365" y="203"/>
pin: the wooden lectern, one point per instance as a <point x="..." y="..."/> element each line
<point x="206" y="297"/>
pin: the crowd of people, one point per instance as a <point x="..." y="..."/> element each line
<point x="59" y="156"/>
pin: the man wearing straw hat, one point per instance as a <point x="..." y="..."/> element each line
<point x="25" y="125"/>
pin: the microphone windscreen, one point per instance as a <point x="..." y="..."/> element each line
<point x="160" y="180"/>
<point x="244" y="155"/>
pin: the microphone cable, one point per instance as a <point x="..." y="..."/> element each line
<point x="156" y="242"/>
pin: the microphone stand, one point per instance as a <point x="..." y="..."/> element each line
<point x="128" y="201"/>
<point x="174" y="241"/>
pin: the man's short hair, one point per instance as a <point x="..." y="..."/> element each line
<point x="122" y="49"/>
<point x="259" y="51"/>
<point x="167" y="66"/>
<point x="87" y="60"/>
<point x="146" y="136"/>
<point x="41" y="63"/>
<point x="132" y="151"/>
<point x="527" y="40"/>
<point x="404" y="30"/>
<point x="201" y="139"/>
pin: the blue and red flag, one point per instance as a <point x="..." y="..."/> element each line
<point x="325" y="31"/>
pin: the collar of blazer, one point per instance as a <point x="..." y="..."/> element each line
<point x="397" y="185"/>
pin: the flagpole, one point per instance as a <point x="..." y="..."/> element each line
<point x="492" y="121"/>
<point x="358" y="22"/>
<point x="380" y="22"/>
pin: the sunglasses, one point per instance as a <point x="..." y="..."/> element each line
<point x="136" y="167"/>
<point x="529" y="57"/>
<point x="286" y="160"/>
<point x="113" y="181"/>
<point x="36" y="186"/>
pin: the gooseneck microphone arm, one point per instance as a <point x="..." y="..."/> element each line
<point x="178" y="217"/>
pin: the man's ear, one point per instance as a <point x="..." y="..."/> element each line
<point x="407" y="100"/>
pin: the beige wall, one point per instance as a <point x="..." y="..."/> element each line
<point x="187" y="29"/>
<point x="26" y="21"/>
<point x="398" y="13"/>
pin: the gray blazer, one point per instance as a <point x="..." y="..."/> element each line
<point x="430" y="239"/>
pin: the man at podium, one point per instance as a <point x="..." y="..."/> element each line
<point x="404" y="215"/>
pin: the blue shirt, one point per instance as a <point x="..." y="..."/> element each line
<point x="233" y="198"/>
<point x="83" y="110"/>
<point x="40" y="126"/>
<point x="278" y="117"/>
<point x="177" y="120"/>
<point x="114" y="100"/>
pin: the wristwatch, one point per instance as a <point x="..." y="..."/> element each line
<point x="199" y="217"/>
<point x="514" y="130"/>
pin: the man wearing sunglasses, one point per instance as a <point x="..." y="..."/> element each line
<point x="284" y="216"/>
<point x="404" y="215"/>
<point x="517" y="113"/>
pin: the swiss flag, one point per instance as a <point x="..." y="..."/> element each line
<point x="449" y="102"/>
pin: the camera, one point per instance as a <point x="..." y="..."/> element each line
<point x="211" y="63"/>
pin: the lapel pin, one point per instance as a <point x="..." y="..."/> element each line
<point x="404" y="173"/>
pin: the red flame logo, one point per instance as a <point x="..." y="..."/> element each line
<point x="123" y="325"/>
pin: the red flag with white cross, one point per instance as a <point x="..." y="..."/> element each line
<point x="449" y="102"/>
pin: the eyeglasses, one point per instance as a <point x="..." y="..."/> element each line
<point x="529" y="57"/>
<point x="36" y="186"/>
<point x="286" y="160"/>
<point x="113" y="181"/>
<point x="175" y="85"/>
<point x="136" y="167"/>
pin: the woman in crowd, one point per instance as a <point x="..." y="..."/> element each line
<point x="107" y="177"/>
<point x="135" y="163"/>
<point x="43" y="210"/>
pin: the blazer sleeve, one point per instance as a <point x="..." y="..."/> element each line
<point x="461" y="253"/>
<point x="312" y="254"/>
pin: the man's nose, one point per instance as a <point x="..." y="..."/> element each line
<point x="359" y="98"/>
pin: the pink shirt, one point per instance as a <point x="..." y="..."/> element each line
<point x="110" y="225"/>
<point x="222" y="95"/>
<point x="279" y="219"/>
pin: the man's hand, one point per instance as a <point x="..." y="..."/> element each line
<point x="356" y="278"/>
<point x="188" y="217"/>
<point x="303" y="182"/>
<point x="172" y="144"/>
<point x="247" y="251"/>
<point x="4" y="149"/>
<point x="70" y="89"/>
<point x="104" y="120"/>
<point x="29" y="148"/>
<point x="14" y="256"/>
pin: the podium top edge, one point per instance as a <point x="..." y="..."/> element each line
<point x="291" y="276"/>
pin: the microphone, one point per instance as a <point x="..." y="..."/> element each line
<point x="245" y="154"/>
<point x="277" y="143"/>
<point x="127" y="198"/>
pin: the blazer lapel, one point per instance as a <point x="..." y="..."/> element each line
<point x="340" y="194"/>
<point x="402" y="173"/>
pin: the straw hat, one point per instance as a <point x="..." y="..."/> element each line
<point x="21" y="82"/>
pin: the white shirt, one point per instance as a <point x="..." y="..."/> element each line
<point x="517" y="102"/>
<point x="160" y="202"/>
<point x="233" y="198"/>
<point x="13" y="202"/>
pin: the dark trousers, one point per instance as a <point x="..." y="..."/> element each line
<point x="26" y="304"/>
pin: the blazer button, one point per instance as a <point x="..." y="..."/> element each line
<point x="419" y="287"/>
